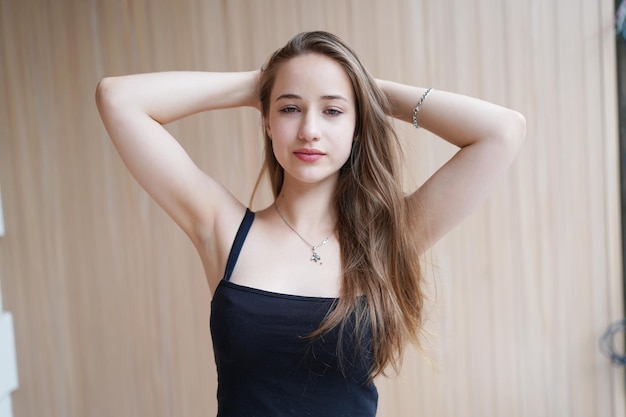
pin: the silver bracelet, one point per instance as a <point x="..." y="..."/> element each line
<point x="416" y="110"/>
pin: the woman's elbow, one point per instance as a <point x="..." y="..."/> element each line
<point x="506" y="135"/>
<point x="518" y="122"/>
<point x="511" y="130"/>
<point x="103" y="92"/>
<point x="108" y="93"/>
<point x="516" y="131"/>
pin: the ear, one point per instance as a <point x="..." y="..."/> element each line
<point x="266" y="126"/>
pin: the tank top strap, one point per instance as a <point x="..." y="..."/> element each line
<point x="240" y="238"/>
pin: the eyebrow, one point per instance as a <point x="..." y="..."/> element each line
<point x="324" y="97"/>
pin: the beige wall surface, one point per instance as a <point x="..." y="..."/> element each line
<point x="108" y="297"/>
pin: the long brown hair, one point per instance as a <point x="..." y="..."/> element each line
<point x="381" y="289"/>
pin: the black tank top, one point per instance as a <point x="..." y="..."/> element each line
<point x="266" y="364"/>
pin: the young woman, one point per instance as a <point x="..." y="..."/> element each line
<point x="318" y="293"/>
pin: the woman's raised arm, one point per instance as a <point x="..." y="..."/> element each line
<point x="489" y="137"/>
<point x="134" y="108"/>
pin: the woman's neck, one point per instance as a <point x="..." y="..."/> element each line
<point x="310" y="209"/>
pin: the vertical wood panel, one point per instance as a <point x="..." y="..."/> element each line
<point x="109" y="302"/>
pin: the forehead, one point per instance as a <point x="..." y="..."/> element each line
<point x="312" y="75"/>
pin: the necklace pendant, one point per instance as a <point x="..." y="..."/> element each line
<point x="315" y="257"/>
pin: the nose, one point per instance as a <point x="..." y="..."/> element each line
<point x="309" y="128"/>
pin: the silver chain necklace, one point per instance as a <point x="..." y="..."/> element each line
<point x="315" y="257"/>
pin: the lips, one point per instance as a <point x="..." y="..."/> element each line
<point x="308" y="154"/>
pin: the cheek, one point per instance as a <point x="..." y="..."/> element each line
<point x="279" y="148"/>
<point x="278" y="128"/>
<point x="345" y="144"/>
<point x="345" y="139"/>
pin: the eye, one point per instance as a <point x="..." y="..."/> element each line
<point x="333" y="112"/>
<point x="289" y="109"/>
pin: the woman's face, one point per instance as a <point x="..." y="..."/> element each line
<point x="311" y="119"/>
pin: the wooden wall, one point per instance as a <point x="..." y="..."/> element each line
<point x="109" y="301"/>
